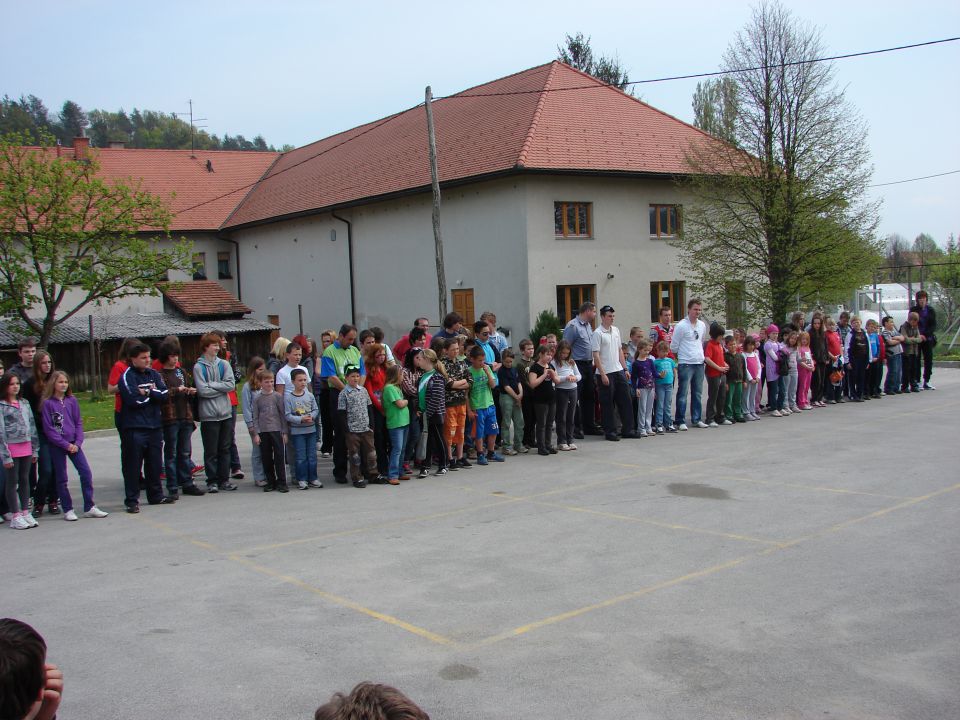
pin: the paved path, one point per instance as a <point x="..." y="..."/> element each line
<point x="803" y="567"/>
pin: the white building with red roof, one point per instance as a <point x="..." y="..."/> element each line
<point x="556" y="188"/>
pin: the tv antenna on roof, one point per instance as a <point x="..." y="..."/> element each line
<point x="193" y="126"/>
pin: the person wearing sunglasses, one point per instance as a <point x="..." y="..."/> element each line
<point x="689" y="337"/>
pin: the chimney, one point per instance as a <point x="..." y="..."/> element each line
<point x="117" y="144"/>
<point x="80" y="147"/>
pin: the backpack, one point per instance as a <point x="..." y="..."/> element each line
<point x="783" y="363"/>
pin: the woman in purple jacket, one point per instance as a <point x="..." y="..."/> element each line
<point x="63" y="426"/>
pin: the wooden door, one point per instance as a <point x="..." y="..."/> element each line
<point x="463" y="304"/>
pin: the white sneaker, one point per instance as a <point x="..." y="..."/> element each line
<point x="712" y="423"/>
<point x="702" y="424"/>
<point x="7" y="517"/>
<point x="796" y="410"/>
<point x="18" y="522"/>
<point x="31" y="520"/>
<point x="571" y="446"/>
<point x="302" y="484"/>
<point x="70" y="516"/>
<point x="682" y="426"/>
<point x="95" y="512"/>
<point x="776" y="413"/>
<point x="315" y="484"/>
<point x="563" y="446"/>
<point x="726" y="422"/>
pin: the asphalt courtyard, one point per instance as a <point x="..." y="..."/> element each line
<point x="803" y="567"/>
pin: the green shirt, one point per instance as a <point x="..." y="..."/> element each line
<point x="396" y="417"/>
<point x="480" y="394"/>
<point x="336" y="358"/>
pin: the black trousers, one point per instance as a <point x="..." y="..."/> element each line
<point x="381" y="440"/>
<point x="616" y="394"/>
<point x="326" y="420"/>
<point x="339" y="437"/>
<point x="716" y="398"/>
<point x="545" y="416"/>
<point x="217" y="437"/>
<point x="142" y="448"/>
<point x="926" y="353"/>
<point x="436" y="444"/>
<point x="271" y="457"/>
<point x="529" y="418"/>
<point x="911" y="371"/>
<point x="820" y="372"/>
<point x="585" y="419"/>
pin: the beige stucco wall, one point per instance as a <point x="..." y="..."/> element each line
<point x="621" y="244"/>
<point x="498" y="240"/>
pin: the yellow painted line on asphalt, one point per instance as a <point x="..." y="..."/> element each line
<point x="659" y="523"/>
<point x="570" y="614"/>
<point x="379" y="526"/>
<point x="296" y="582"/>
<point x="345" y="602"/>
<point x="869" y="516"/>
<point x="817" y="488"/>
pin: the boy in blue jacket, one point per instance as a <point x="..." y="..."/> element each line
<point x="141" y="391"/>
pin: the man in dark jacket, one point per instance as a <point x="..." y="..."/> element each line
<point x="928" y="331"/>
<point x="142" y="392"/>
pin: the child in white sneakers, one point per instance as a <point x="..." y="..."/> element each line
<point x="63" y="427"/>
<point x="19" y="446"/>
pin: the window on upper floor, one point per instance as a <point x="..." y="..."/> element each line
<point x="223" y="265"/>
<point x="664" y="220"/>
<point x="668" y="293"/>
<point x="200" y="266"/>
<point x="573" y="219"/>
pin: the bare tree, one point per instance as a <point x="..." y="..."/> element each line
<point x="781" y="213"/>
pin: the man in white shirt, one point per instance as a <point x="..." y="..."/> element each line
<point x="607" y="348"/>
<point x="689" y="337"/>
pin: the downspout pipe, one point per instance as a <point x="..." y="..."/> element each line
<point x="236" y="246"/>
<point x="353" y="301"/>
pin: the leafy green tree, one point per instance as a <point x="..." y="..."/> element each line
<point x="547" y="322"/>
<point x="924" y="244"/>
<point x="69" y="238"/>
<point x="27" y="115"/>
<point x="71" y="122"/>
<point x="715" y="108"/>
<point x="783" y="211"/>
<point x="945" y="289"/>
<point x="576" y="52"/>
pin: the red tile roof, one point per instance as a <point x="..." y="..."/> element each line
<point x="545" y="125"/>
<point x="202" y="299"/>
<point x="182" y="178"/>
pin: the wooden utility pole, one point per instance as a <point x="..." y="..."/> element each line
<point x="437" y="238"/>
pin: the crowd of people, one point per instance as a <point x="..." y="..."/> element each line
<point x="459" y="398"/>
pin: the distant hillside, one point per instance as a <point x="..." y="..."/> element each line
<point x="138" y="129"/>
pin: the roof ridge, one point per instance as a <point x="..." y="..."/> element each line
<point x="253" y="186"/>
<point x="500" y="79"/>
<point x="528" y="140"/>
<point x="657" y="110"/>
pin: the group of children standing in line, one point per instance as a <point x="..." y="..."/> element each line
<point x="386" y="414"/>
<point x="40" y="429"/>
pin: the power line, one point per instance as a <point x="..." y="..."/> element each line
<point x="924" y="177"/>
<point x="579" y="87"/>
<point x="301" y="162"/>
<point x="692" y="76"/>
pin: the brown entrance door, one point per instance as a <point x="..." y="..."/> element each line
<point x="463" y="304"/>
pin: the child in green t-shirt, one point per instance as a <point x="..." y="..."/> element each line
<point x="398" y="422"/>
<point x="480" y="406"/>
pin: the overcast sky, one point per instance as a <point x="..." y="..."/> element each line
<point x="299" y="71"/>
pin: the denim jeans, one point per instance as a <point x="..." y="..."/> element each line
<point x="894" y="369"/>
<point x="775" y="394"/>
<point x="398" y="438"/>
<point x="305" y="454"/>
<point x="177" y="449"/>
<point x="664" y="398"/>
<point x="645" y="409"/>
<point x="790" y="390"/>
<point x="689" y="375"/>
